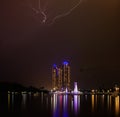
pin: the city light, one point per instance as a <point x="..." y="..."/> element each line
<point x="61" y="77"/>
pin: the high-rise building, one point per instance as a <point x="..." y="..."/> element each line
<point x="61" y="77"/>
<point x="66" y="75"/>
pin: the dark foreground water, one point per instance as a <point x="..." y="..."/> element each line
<point x="46" y="105"/>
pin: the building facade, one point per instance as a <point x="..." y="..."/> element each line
<point x="66" y="75"/>
<point x="61" y="77"/>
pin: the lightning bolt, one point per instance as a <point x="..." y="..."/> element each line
<point x="39" y="11"/>
<point x="42" y="12"/>
<point x="66" y="13"/>
<point x="45" y="17"/>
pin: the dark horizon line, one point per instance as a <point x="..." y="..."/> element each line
<point x="6" y="85"/>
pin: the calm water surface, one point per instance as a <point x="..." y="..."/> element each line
<point x="60" y="105"/>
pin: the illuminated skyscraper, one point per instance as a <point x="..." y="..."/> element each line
<point x="61" y="77"/>
<point x="66" y="75"/>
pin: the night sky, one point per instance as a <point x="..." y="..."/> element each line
<point x="88" y="38"/>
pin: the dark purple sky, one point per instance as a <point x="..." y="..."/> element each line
<point x="89" y="38"/>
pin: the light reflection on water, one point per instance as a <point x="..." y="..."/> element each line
<point x="76" y="104"/>
<point x="8" y="101"/>
<point x="12" y="101"/>
<point x="109" y="102"/>
<point x="68" y="105"/>
<point x="112" y="102"/>
<point x="103" y="99"/>
<point x="54" y="103"/>
<point x="117" y="106"/>
<point x="60" y="104"/>
<point x="93" y="102"/>
<point x="65" y="106"/>
<point x="24" y="98"/>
